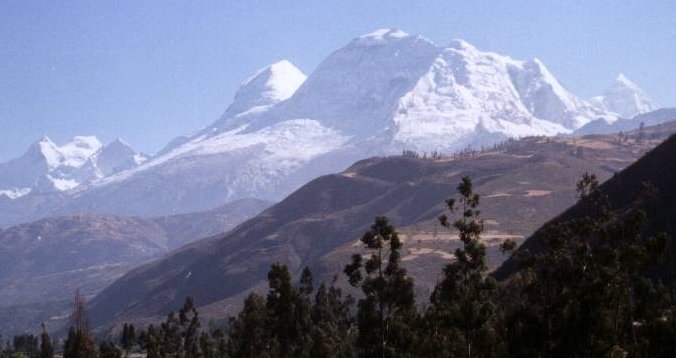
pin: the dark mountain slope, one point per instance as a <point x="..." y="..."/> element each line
<point x="524" y="184"/>
<point x="658" y="167"/>
<point x="42" y="263"/>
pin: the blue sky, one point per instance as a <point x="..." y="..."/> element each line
<point x="147" y="71"/>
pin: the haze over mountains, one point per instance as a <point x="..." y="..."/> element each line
<point x="380" y="94"/>
<point x="43" y="262"/>
<point x="126" y="227"/>
<point x="624" y="98"/>
<point x="47" y="167"/>
<point x="523" y="184"/>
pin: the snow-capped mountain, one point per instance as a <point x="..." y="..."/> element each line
<point x="270" y="85"/>
<point x="624" y="98"/>
<point x="47" y="167"/>
<point x="115" y="157"/>
<point x="383" y="92"/>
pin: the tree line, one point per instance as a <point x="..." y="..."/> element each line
<point x="583" y="292"/>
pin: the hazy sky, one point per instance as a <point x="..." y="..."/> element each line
<point x="147" y="71"/>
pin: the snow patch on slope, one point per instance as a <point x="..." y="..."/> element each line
<point x="15" y="193"/>
<point x="381" y="36"/>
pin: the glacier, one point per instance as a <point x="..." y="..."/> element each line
<point x="382" y="93"/>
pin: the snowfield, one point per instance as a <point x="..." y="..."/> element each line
<point x="380" y="94"/>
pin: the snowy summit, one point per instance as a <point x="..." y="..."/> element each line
<point x="47" y="167"/>
<point x="269" y="85"/>
<point x="383" y="92"/>
<point x="625" y="98"/>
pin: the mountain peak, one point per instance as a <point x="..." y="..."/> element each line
<point x="45" y="149"/>
<point x="625" y="98"/>
<point x="117" y="142"/>
<point x="384" y="33"/>
<point x="44" y="139"/>
<point x="622" y="81"/>
<point x="381" y="37"/>
<point x="90" y="142"/>
<point x="116" y="156"/>
<point x="461" y="44"/>
<point x="269" y="85"/>
<point x="621" y="78"/>
<point x="46" y="166"/>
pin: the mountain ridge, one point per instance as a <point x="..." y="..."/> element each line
<point x="625" y="98"/>
<point x="319" y="224"/>
<point x="47" y="167"/>
<point x="655" y="169"/>
<point x="380" y="94"/>
<point x="43" y="262"/>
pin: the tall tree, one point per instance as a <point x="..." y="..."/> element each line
<point x="79" y="343"/>
<point x="207" y="347"/>
<point x="249" y="336"/>
<point x="26" y="344"/>
<point x="189" y="321"/>
<point x="584" y="293"/>
<point x="387" y="311"/>
<point x="306" y="287"/>
<point x="152" y="342"/>
<point x="221" y="349"/>
<point x="46" y="347"/>
<point x="289" y="312"/>
<point x="128" y="337"/>
<point x="465" y="297"/>
<point x="109" y="350"/>
<point x="332" y="322"/>
<point x="171" y="343"/>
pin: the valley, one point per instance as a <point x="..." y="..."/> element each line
<point x="381" y="195"/>
<point x="524" y="183"/>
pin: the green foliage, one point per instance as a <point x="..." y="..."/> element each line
<point x="207" y="347"/>
<point x="586" y="290"/>
<point x="46" y="347"/>
<point x="332" y="322"/>
<point x="128" y="337"/>
<point x="26" y="345"/>
<point x="386" y="314"/>
<point x="190" y="324"/>
<point x="289" y="312"/>
<point x="221" y="344"/>
<point x="170" y="337"/>
<point x="249" y="335"/>
<point x="463" y="304"/>
<point x="109" y="350"/>
<point x="585" y="293"/>
<point x="79" y="344"/>
<point x="152" y="343"/>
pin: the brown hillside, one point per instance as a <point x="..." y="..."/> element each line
<point x="523" y="185"/>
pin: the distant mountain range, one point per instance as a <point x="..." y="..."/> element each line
<point x="102" y="217"/>
<point x="382" y="93"/>
<point x="47" y="167"/>
<point x="625" y="125"/>
<point x="523" y="184"/>
<point x="42" y="263"/>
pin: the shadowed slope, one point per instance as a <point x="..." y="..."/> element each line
<point x="523" y="185"/>
<point x="658" y="168"/>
